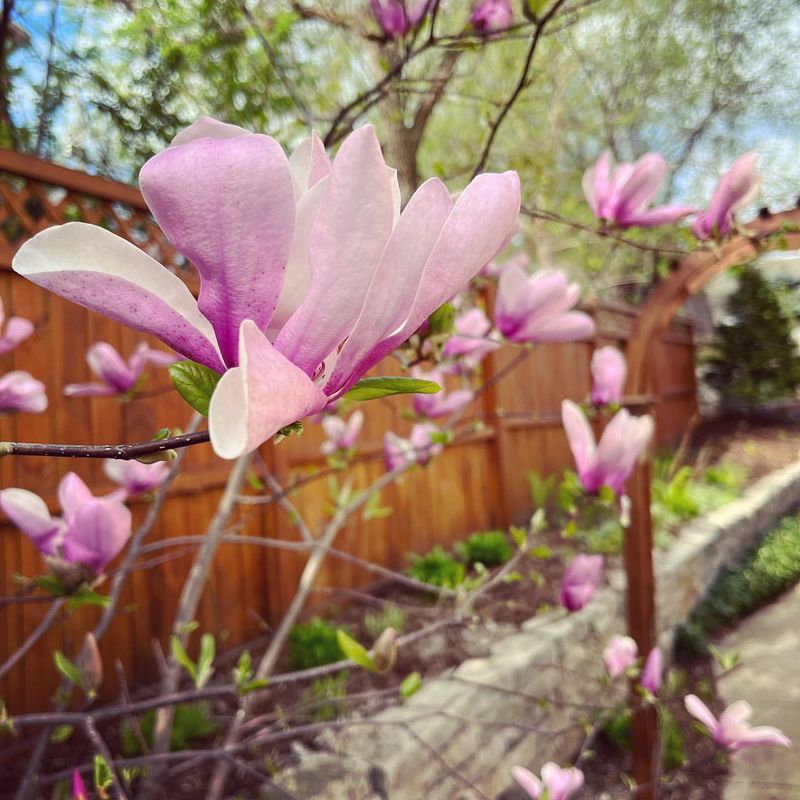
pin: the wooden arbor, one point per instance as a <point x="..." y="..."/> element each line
<point x="768" y="232"/>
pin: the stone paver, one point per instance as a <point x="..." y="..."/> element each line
<point x="769" y="679"/>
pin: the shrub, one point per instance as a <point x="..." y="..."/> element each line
<point x="754" y="358"/>
<point x="490" y="548"/>
<point x="437" y="568"/>
<point x="326" y="694"/>
<point x="313" y="644"/>
<point x="618" y="730"/>
<point x="389" y="616"/>
<point x="191" y="725"/>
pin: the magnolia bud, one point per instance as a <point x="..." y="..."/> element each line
<point x="90" y="663"/>
<point x="384" y="651"/>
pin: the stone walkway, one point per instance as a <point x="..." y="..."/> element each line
<point x="769" y="679"/>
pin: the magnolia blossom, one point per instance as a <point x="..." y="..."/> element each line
<point x="135" y="477"/>
<point x="580" y="581"/>
<point x="13" y="331"/>
<point x="555" y="784"/>
<point x="117" y="375"/>
<point x="653" y="671"/>
<point x="620" y="654"/>
<point x="622" y="196"/>
<point x="78" y="787"/>
<point x="611" y="462"/>
<point x="739" y="186"/>
<point x="537" y="308"/>
<point x="495" y="268"/>
<point x="443" y="403"/>
<point x="309" y="273"/>
<point x="341" y="435"/>
<point x="91" y="531"/>
<point x="419" y="448"/>
<point x="20" y="391"/>
<point x="395" y="20"/>
<point x="732" y="730"/>
<point x="472" y="341"/>
<point x="492" y="15"/>
<point x="609" y="371"/>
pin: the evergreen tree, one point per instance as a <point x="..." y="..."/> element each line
<point x="754" y="358"/>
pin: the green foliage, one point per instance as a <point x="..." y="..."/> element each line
<point x="314" y="644"/>
<point x="437" y="568"/>
<point x="618" y="731"/>
<point x="411" y="684"/>
<point x="192" y="725"/>
<point x="604" y="539"/>
<point x="374" y="388"/>
<point x="327" y="693"/>
<point x="490" y="548"/>
<point x="769" y="570"/>
<point x="355" y="651"/>
<point x="389" y="616"/>
<point x="195" y="383"/>
<point x="754" y="358"/>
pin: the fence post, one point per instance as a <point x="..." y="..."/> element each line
<point x="641" y="612"/>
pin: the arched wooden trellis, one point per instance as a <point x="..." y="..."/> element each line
<point x="768" y="232"/>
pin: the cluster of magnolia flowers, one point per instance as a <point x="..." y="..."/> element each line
<point x="396" y="18"/>
<point x="621" y="196"/>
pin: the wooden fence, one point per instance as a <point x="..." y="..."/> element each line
<point x="478" y="483"/>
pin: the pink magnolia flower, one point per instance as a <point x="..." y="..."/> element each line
<point x="135" y="477"/>
<point x="341" y="435"/>
<point x="620" y="654"/>
<point x="555" y="784"/>
<point x="580" y="581"/>
<point x="395" y="20"/>
<point x="492" y="15"/>
<point x="653" y="671"/>
<point x="13" y="331"/>
<point x="495" y="268"/>
<point x="622" y="196"/>
<point x="309" y="273"/>
<point x="537" y="308"/>
<point x="419" y="448"/>
<point x="78" y="787"/>
<point x="732" y="730"/>
<point x="91" y="531"/>
<point x="609" y="370"/>
<point x="611" y="462"/>
<point x="20" y="391"/>
<point x="117" y="375"/>
<point x="739" y="186"/>
<point x="443" y="403"/>
<point x="472" y="341"/>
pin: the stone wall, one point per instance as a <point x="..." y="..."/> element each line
<point x="525" y="702"/>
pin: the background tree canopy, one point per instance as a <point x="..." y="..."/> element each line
<point x="103" y="85"/>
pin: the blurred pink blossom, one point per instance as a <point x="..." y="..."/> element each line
<point x="341" y="435"/>
<point x="117" y="375"/>
<point x="135" y="477"/>
<point x="732" y="729"/>
<point x="653" y="671"/>
<point x="580" y="581"/>
<point x="620" y="654"/>
<point x="621" y="196"/>
<point x="78" y="787"/>
<point x="91" y="530"/>
<point x="20" y="391"/>
<point x="419" y="448"/>
<point x="555" y="784"/>
<point x="609" y="370"/>
<point x="611" y="462"/>
<point x="472" y="341"/>
<point x="492" y="15"/>
<point x="395" y="19"/>
<point x="13" y="331"/>
<point x="443" y="403"/>
<point x="537" y="308"/>
<point x="738" y="187"/>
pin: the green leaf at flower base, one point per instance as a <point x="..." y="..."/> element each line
<point x="102" y="772"/>
<point x="195" y="383"/>
<point x="411" y="685"/>
<point x="182" y="657"/>
<point x="69" y="670"/>
<point x="373" y="388"/>
<point x="61" y="733"/>
<point x="355" y="651"/>
<point x="441" y="321"/>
